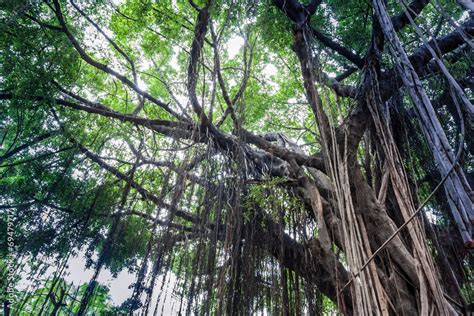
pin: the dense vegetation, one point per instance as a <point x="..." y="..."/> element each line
<point x="244" y="157"/>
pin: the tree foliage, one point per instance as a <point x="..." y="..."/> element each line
<point x="277" y="157"/>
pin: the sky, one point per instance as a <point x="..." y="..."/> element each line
<point x="119" y="291"/>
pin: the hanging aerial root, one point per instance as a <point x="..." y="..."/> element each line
<point x="456" y="186"/>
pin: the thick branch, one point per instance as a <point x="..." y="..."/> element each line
<point x="299" y="14"/>
<point x="391" y="81"/>
<point x="338" y="48"/>
<point x="169" y="128"/>
<point x="414" y="9"/>
<point x="312" y="6"/>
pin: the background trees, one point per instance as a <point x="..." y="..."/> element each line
<point x="274" y="156"/>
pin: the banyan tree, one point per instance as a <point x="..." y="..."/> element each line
<point x="237" y="157"/>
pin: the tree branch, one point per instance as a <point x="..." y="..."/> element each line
<point x="415" y="8"/>
<point x="391" y="81"/>
<point x="338" y="48"/>
<point x="88" y="59"/>
<point x="312" y="6"/>
<point x="27" y="144"/>
<point x="169" y="128"/>
<point x="147" y="195"/>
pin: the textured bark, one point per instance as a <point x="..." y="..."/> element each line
<point x="457" y="188"/>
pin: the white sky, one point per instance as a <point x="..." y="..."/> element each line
<point x="77" y="274"/>
<point x="233" y="45"/>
